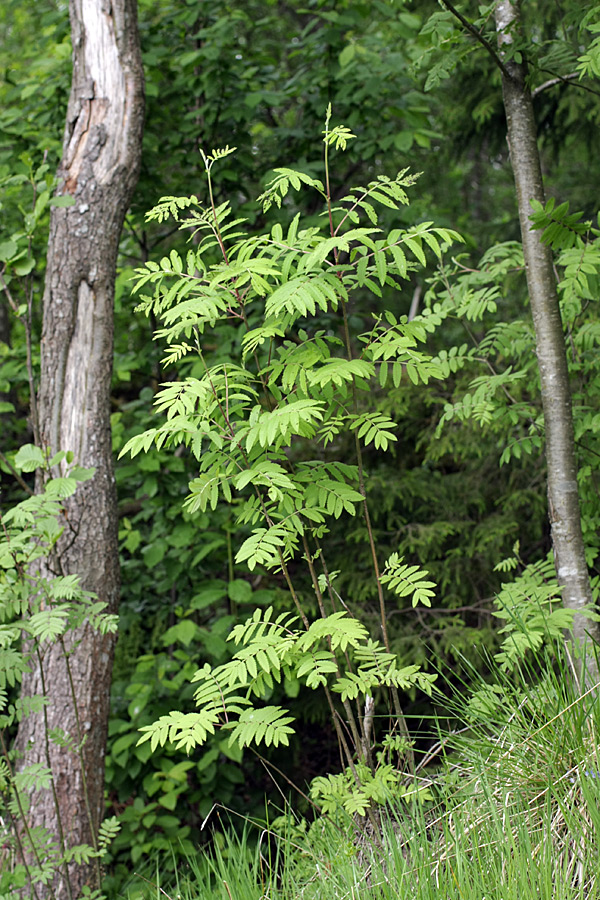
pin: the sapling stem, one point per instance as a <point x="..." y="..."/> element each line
<point x="25" y="824"/>
<point x="345" y="703"/>
<point x="46" y="742"/>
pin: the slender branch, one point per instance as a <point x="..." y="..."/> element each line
<point x="347" y="708"/>
<point x="367" y="724"/>
<point x="327" y="188"/>
<point x="382" y="611"/>
<point x="25" y="825"/>
<point x="478" y="37"/>
<point x="352" y="767"/>
<point x="340" y="734"/>
<point x="567" y="80"/>
<point x="414" y="304"/>
<point x="151" y="883"/>
<point x="473" y="607"/>
<point x="14" y="472"/>
<point x="269" y="765"/>
<point x="216" y="228"/>
<point x="292" y="589"/>
<point x="330" y="593"/>
<point x="131" y="507"/>
<point x="11" y="300"/>
<point x="326" y="574"/>
<point x="560" y="79"/>
<point x="26" y="322"/>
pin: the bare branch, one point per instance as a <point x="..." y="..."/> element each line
<point x="567" y="79"/>
<point x="14" y="472"/>
<point x="560" y="79"/>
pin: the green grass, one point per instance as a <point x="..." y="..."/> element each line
<point x="516" y="815"/>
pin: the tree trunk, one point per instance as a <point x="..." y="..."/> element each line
<point x="563" y="498"/>
<point x="99" y="168"/>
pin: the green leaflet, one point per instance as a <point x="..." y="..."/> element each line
<point x="261" y="419"/>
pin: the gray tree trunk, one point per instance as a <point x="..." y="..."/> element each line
<point x="99" y="168"/>
<point x="563" y="498"/>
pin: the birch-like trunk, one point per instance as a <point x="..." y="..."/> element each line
<point x="99" y="169"/>
<point x="563" y="498"/>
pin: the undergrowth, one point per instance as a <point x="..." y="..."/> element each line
<point x="515" y="813"/>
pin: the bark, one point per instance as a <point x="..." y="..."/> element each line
<point x="563" y="498"/>
<point x="99" y="168"/>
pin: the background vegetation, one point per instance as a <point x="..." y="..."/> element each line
<point x="460" y="493"/>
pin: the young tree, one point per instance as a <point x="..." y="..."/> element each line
<point x="511" y="57"/>
<point x="99" y="169"/>
<point x="563" y="499"/>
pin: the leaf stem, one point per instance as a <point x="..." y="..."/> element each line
<point x="25" y="825"/>
<point x="345" y="703"/>
<point x="46" y="742"/>
<point x="382" y="611"/>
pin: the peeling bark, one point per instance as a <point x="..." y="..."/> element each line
<point x="99" y="168"/>
<point x="563" y="499"/>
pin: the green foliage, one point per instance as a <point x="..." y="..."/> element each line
<point x="512" y="801"/>
<point x="561" y="228"/>
<point x="382" y="787"/>
<point x="259" y="76"/>
<point x="503" y="397"/>
<point x="26" y="186"/>
<point x="250" y="424"/>
<point x="530" y="605"/>
<point x="271" y="650"/>
<point x="237" y="437"/>
<point x="38" y="609"/>
<point x="405" y="580"/>
<point x="589" y="62"/>
<point x="446" y="507"/>
<point x="180" y="600"/>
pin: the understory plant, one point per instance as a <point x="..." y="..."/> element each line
<point x="39" y="608"/>
<point x="496" y="393"/>
<point x="515" y="786"/>
<point x="281" y="432"/>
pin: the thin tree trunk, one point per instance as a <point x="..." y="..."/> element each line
<point x="99" y="168"/>
<point x="563" y="498"/>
